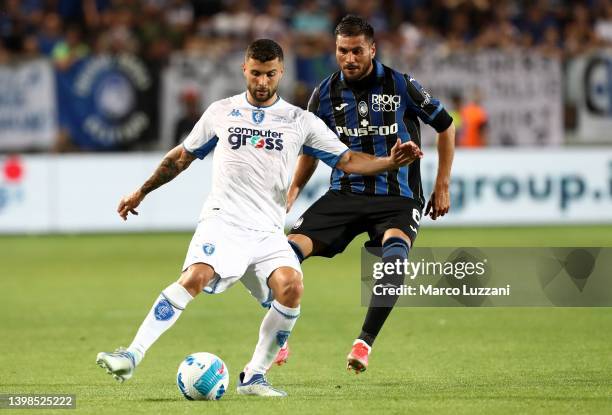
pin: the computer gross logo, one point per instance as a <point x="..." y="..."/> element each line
<point x="11" y="177"/>
<point x="267" y="140"/>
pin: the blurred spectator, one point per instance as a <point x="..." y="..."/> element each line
<point x="190" y="103"/>
<point x="234" y="21"/>
<point x="311" y="21"/>
<point x="534" y="22"/>
<point x="455" y="112"/>
<point x="68" y="51"/>
<point x="603" y="23"/>
<point x="271" y="24"/>
<point x="50" y="33"/>
<point x="579" y="34"/>
<point x="473" y="119"/>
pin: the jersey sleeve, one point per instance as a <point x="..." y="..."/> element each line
<point x="202" y="138"/>
<point x="313" y="102"/>
<point x="426" y="107"/>
<point x="321" y="142"/>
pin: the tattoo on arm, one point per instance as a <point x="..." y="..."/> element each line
<point x="170" y="167"/>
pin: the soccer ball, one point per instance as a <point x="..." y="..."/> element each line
<point x="202" y="376"/>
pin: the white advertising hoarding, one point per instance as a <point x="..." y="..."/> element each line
<point x="41" y="194"/>
<point x="521" y="93"/>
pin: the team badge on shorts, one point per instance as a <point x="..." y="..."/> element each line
<point x="298" y="223"/>
<point x="258" y="116"/>
<point x="208" y="249"/>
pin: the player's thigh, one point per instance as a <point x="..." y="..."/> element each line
<point x="275" y="270"/>
<point x="331" y="223"/>
<point x="220" y="247"/>
<point x="394" y="217"/>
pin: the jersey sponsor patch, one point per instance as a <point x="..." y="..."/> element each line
<point x="385" y="102"/>
<point x="265" y="139"/>
<point x="367" y="130"/>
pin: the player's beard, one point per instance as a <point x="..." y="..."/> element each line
<point x="355" y="75"/>
<point x="261" y="95"/>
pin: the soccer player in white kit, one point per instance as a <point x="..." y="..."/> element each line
<point x="256" y="135"/>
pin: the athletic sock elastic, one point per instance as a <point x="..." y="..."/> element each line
<point x="164" y="313"/>
<point x="381" y="305"/>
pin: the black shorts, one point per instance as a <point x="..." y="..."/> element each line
<point x="339" y="216"/>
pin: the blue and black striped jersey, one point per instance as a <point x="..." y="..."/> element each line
<point x="369" y="116"/>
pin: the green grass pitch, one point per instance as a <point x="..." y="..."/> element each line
<point x="64" y="298"/>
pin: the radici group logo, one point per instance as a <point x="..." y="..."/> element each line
<point x="11" y="178"/>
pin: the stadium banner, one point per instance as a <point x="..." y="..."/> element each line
<point x="589" y="91"/>
<point x="206" y="79"/>
<point x="28" y="117"/>
<point x="108" y="102"/>
<point x="80" y="193"/>
<point x="489" y="277"/>
<point x="521" y="92"/>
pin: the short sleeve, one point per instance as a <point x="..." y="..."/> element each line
<point x="313" y="102"/>
<point x="426" y="107"/>
<point x="202" y="138"/>
<point x="321" y="142"/>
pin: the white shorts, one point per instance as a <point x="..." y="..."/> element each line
<point x="237" y="253"/>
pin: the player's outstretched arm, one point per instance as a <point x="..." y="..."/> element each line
<point x="439" y="202"/>
<point x="304" y="168"/>
<point x="175" y="161"/>
<point x="368" y="165"/>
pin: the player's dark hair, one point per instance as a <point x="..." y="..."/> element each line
<point x="352" y="25"/>
<point x="264" y="50"/>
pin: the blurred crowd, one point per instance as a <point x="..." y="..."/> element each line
<point x="69" y="29"/>
<point x="66" y="31"/>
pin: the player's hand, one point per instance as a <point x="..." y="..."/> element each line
<point x="439" y="202"/>
<point x="128" y="204"/>
<point x="405" y="153"/>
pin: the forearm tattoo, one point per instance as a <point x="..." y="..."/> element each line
<point x="167" y="170"/>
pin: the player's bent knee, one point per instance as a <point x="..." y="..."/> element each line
<point x="287" y="286"/>
<point x="196" y="277"/>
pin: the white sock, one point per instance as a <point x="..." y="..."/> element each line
<point x="273" y="333"/>
<point x="164" y="313"/>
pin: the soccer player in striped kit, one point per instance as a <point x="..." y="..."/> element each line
<point x="370" y="106"/>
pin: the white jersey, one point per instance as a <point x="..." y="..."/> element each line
<point x="254" y="147"/>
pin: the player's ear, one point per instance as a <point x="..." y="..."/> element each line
<point x="373" y="49"/>
<point x="244" y="69"/>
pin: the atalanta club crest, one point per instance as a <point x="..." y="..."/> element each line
<point x="363" y="109"/>
<point x="258" y="116"/>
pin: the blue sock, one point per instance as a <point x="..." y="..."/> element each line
<point x="381" y="306"/>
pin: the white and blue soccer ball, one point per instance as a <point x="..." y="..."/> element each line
<point x="202" y="376"/>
